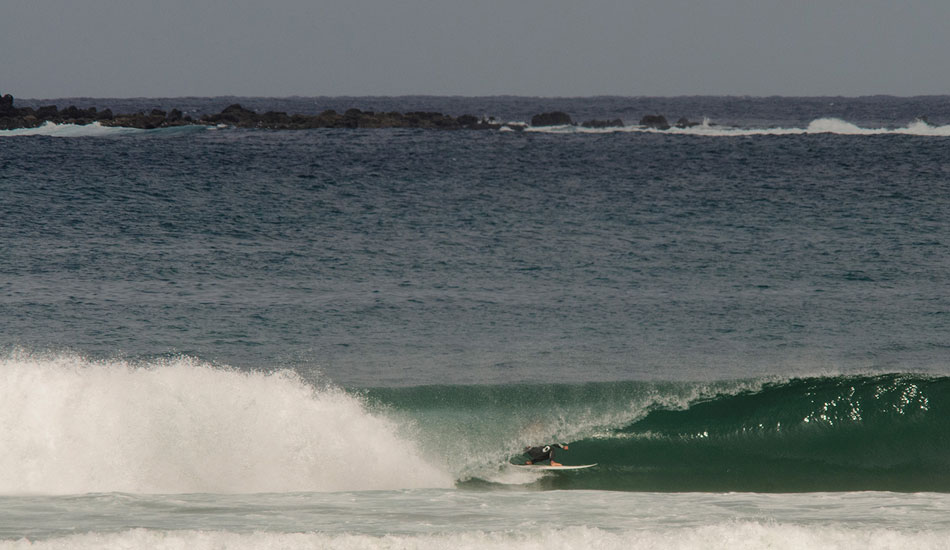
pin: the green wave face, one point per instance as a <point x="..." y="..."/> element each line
<point x="845" y="433"/>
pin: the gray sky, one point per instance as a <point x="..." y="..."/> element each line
<point x="127" y="48"/>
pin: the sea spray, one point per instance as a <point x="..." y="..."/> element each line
<point x="70" y="425"/>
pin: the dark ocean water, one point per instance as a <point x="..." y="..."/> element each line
<point x="694" y="310"/>
<point x="405" y="257"/>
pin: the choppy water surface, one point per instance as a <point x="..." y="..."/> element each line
<point x="344" y="337"/>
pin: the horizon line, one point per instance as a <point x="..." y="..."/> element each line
<point x="488" y="96"/>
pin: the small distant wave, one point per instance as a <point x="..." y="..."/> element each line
<point x="94" y="129"/>
<point x="709" y="129"/>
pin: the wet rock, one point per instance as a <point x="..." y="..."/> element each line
<point x="6" y="106"/>
<point x="234" y="114"/>
<point x="685" y="123"/>
<point x="237" y="115"/>
<point x="47" y="112"/>
<point x="470" y="122"/>
<point x="655" y="121"/>
<point x="554" y="118"/>
<point x="70" y="113"/>
<point x="615" y="123"/>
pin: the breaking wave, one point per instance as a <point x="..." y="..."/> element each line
<point x="94" y="129"/>
<point x="707" y="128"/>
<point x="71" y="425"/>
<point x="818" y="126"/>
<point x="835" y="433"/>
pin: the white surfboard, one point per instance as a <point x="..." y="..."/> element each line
<point x="549" y="467"/>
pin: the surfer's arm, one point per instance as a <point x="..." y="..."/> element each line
<point x="559" y="446"/>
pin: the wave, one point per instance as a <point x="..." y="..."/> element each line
<point x="818" y="126"/>
<point x="886" y="432"/>
<point x="725" y="535"/>
<point x="71" y="425"/>
<point x="94" y="129"/>
<point x="707" y="129"/>
<point x="832" y="433"/>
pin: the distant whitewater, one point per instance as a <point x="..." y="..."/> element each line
<point x="95" y="129"/>
<point x="710" y="129"/>
<point x="707" y="129"/>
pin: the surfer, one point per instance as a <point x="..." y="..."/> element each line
<point x="540" y="454"/>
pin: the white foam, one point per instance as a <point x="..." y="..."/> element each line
<point x="707" y="128"/>
<point x="95" y="129"/>
<point x="69" y="425"/>
<point x="726" y="536"/>
<point x="52" y="129"/>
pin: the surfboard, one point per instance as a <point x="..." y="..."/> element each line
<point x="555" y="468"/>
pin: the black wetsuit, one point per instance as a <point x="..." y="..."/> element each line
<point x="540" y="454"/>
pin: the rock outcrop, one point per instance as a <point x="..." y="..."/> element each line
<point x="6" y="105"/>
<point x="655" y="121"/>
<point x="238" y="116"/>
<point x="554" y="118"/>
<point x="684" y="122"/>
<point x="615" y="123"/>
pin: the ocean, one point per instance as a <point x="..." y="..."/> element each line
<point x="228" y="338"/>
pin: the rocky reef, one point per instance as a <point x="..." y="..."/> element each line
<point x="555" y="118"/>
<point x="615" y="123"/>
<point x="12" y="117"/>
<point x="659" y="122"/>
<point x="234" y="115"/>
